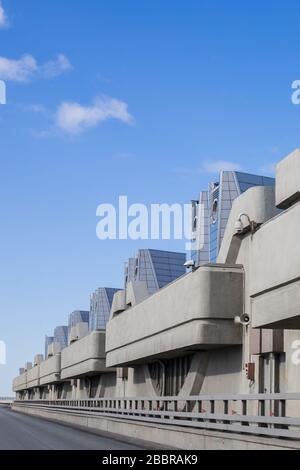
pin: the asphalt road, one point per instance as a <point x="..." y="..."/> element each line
<point x="23" y="432"/>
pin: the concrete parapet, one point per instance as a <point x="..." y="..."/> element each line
<point x="157" y="436"/>
<point x="287" y="180"/>
<point x="196" y="311"/>
<point x="84" y="357"/>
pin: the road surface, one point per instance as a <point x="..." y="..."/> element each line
<point x="23" y="432"/>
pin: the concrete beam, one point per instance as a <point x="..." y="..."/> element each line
<point x="194" y="312"/>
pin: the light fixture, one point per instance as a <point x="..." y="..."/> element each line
<point x="244" y="319"/>
<point x="241" y="228"/>
<point x="190" y="264"/>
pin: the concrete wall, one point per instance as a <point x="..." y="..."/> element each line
<point x="259" y="204"/>
<point x="50" y="370"/>
<point x="224" y="372"/>
<point x="33" y="377"/>
<point x="275" y="272"/>
<point x="20" y="382"/>
<point x="84" y="357"/>
<point x="287" y="180"/>
<point x="292" y="369"/>
<point x="196" y="311"/>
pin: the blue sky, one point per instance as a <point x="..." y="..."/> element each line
<point x="106" y="98"/>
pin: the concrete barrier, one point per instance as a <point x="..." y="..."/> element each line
<point x="160" y="436"/>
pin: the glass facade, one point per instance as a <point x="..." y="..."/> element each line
<point x="78" y="316"/>
<point x="48" y="340"/>
<point x="61" y="337"/>
<point x="200" y="229"/>
<point x="211" y="212"/>
<point x="156" y="267"/>
<point x="100" y="305"/>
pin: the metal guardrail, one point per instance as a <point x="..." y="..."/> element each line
<point x="6" y="399"/>
<point x="260" y="414"/>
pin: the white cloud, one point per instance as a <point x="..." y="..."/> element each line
<point x="53" y="68"/>
<point x="73" y="118"/>
<point x="219" y="165"/>
<point x="20" y="70"/>
<point x="3" y="17"/>
<point x="26" y="68"/>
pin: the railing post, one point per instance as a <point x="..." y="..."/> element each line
<point x="166" y="407"/>
<point x="281" y="413"/>
<point x="244" y="412"/>
<point x="282" y="408"/>
<point x="150" y="405"/>
<point x="261" y="411"/>
<point x="226" y="410"/>
<point x="199" y="409"/>
<point x="212" y="410"/>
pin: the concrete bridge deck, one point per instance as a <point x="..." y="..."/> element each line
<point x="22" y="432"/>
